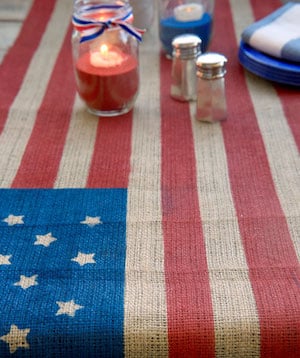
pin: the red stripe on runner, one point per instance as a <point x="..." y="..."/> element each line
<point x="289" y="96"/>
<point x="189" y="306"/>
<point x="272" y="261"/>
<point x="110" y="165"/>
<point x="16" y="61"/>
<point x="41" y="159"/>
<point x="264" y="8"/>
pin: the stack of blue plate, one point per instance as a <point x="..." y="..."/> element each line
<point x="269" y="67"/>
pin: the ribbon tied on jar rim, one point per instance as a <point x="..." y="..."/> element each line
<point x="86" y="21"/>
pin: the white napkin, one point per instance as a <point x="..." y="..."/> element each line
<point x="278" y="34"/>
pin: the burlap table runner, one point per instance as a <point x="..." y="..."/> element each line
<point x="148" y="234"/>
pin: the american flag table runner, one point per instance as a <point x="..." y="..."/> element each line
<point x="148" y="234"/>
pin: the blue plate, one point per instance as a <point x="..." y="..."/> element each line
<point x="268" y="67"/>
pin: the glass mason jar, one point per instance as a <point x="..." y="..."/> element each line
<point x="177" y="17"/>
<point x="105" y="56"/>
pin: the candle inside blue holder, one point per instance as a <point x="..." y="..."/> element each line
<point x="170" y="27"/>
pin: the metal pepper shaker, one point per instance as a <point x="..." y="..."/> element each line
<point x="211" y="99"/>
<point x="186" y="49"/>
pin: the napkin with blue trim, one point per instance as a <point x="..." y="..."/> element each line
<point x="278" y="34"/>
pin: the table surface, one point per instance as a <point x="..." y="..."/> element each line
<point x="149" y="234"/>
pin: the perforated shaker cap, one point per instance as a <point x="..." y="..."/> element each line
<point x="211" y="65"/>
<point x="186" y="46"/>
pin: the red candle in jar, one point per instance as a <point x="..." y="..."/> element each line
<point x="107" y="79"/>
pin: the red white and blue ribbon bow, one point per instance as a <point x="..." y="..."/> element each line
<point x="92" y="28"/>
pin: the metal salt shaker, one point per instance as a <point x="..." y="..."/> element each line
<point x="211" y="100"/>
<point x="186" y="49"/>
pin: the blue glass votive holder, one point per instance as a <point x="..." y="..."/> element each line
<point x="190" y="17"/>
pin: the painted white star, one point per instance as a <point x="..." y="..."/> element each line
<point x="16" y="338"/>
<point x="26" y="282"/>
<point x="69" y="308"/>
<point x="91" y="221"/>
<point x="84" y="259"/>
<point x="4" y="259"/>
<point x="13" y="219"/>
<point x="44" y="240"/>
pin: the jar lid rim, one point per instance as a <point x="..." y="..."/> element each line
<point x="211" y="59"/>
<point x="186" y="40"/>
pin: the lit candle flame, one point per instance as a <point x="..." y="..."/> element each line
<point x="106" y="56"/>
<point x="188" y="12"/>
<point x="104" y="50"/>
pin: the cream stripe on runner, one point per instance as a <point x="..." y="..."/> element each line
<point x="283" y="155"/>
<point x="145" y="321"/>
<point x="235" y="314"/>
<point x="14" y="137"/>
<point x="78" y="149"/>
